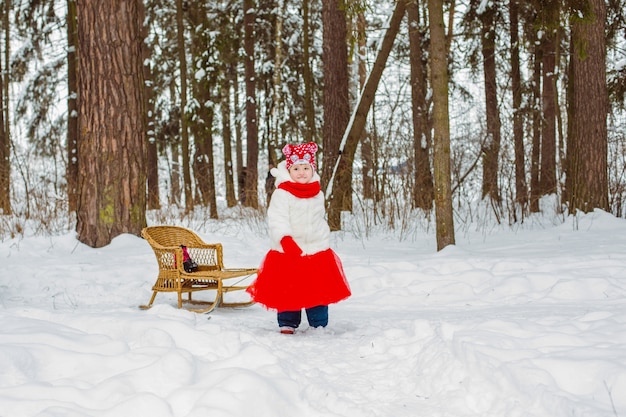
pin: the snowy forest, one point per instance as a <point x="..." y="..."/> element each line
<point x="472" y="155"/>
<point x="443" y="110"/>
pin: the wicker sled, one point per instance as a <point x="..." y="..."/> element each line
<point x="166" y="243"/>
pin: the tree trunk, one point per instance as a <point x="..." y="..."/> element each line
<point x="232" y="71"/>
<point x="5" y="133"/>
<point x="276" y="116"/>
<point x="251" y="198"/>
<point x="367" y="171"/>
<point x="518" y="120"/>
<point x="5" y="160"/>
<point x="423" y="192"/>
<point x="231" y="199"/>
<point x="204" y="165"/>
<point x="152" y="157"/>
<point x="535" y="189"/>
<point x="450" y="34"/>
<point x="203" y="89"/>
<point x="491" y="151"/>
<point x="587" y="181"/>
<point x="276" y="110"/>
<point x="340" y="192"/>
<point x="175" y="194"/>
<point x="310" y="133"/>
<point x="230" y="58"/>
<point x="72" y="108"/>
<point x="336" y="101"/>
<point x="547" y="175"/>
<point x="111" y="147"/>
<point x="184" y="133"/>
<point x="227" y="49"/>
<point x="441" y="124"/>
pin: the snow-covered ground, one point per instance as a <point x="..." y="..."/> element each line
<point x="525" y="322"/>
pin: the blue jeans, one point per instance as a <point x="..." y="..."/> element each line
<point x="317" y="317"/>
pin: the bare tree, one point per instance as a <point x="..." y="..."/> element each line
<point x="111" y="146"/>
<point x="441" y="125"/>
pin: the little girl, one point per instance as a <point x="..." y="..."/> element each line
<point x="300" y="270"/>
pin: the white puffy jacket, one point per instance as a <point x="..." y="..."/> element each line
<point x="301" y="218"/>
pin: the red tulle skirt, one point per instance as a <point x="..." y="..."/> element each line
<point x="288" y="283"/>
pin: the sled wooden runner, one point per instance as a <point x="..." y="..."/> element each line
<point x="211" y="275"/>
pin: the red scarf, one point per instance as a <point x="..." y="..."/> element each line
<point x="308" y="190"/>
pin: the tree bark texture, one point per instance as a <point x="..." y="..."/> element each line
<point x="72" y="108"/>
<point x="111" y="146"/>
<point x="227" y="134"/>
<point x="547" y="174"/>
<point x="441" y="124"/>
<point x="251" y="175"/>
<point x="491" y="151"/>
<point x="423" y="192"/>
<point x="587" y="180"/>
<point x="535" y="155"/>
<point x="336" y="101"/>
<point x="5" y="135"/>
<point x="5" y="161"/>
<point x="204" y="165"/>
<point x="175" y="196"/>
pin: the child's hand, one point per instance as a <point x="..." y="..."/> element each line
<point x="290" y="246"/>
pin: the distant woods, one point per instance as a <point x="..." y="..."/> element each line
<point x="110" y="109"/>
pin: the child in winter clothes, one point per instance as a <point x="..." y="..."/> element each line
<point x="300" y="270"/>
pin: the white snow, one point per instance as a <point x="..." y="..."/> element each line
<point x="526" y="322"/>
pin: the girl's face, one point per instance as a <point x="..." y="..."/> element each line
<point x="301" y="173"/>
